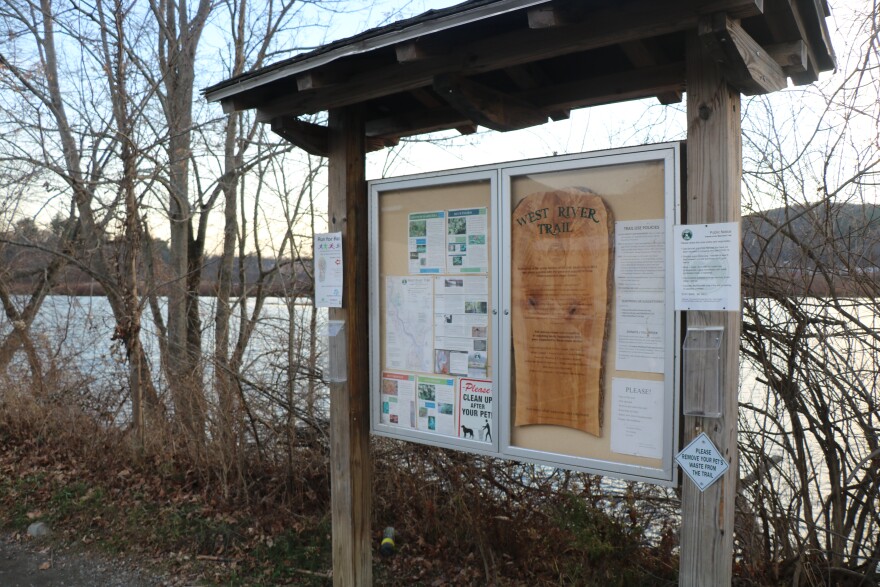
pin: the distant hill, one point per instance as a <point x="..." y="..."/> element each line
<point x="812" y="249"/>
<point x="22" y="266"/>
<point x="843" y="236"/>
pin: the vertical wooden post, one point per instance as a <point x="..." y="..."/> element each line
<point x="350" y="466"/>
<point x="714" y="172"/>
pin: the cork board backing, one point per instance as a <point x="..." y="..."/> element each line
<point x="394" y="208"/>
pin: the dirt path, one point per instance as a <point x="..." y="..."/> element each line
<point x="33" y="565"/>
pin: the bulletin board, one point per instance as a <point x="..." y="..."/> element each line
<point x="525" y="310"/>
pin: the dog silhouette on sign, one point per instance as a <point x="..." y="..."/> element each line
<point x="465" y="432"/>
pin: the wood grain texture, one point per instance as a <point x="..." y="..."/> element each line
<point x="629" y="85"/>
<point x="487" y="106"/>
<point x="350" y="466"/>
<point x="745" y="64"/>
<point x="714" y="172"/>
<point x="561" y="266"/>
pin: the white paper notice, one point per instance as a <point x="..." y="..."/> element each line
<point x="409" y="313"/>
<point x="476" y="401"/>
<point x="427" y="242"/>
<point x="640" y="283"/>
<point x="637" y="417"/>
<point x="707" y="267"/>
<point x="437" y="405"/>
<point x="461" y="320"/>
<point x="328" y="270"/>
<point x="399" y="400"/>
<point x="466" y="241"/>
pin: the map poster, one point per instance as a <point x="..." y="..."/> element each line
<point x="398" y="400"/>
<point x="476" y="404"/>
<point x="427" y="242"/>
<point x="409" y="311"/>
<point x="561" y="258"/>
<point x="436" y="396"/>
<point x="467" y="249"/>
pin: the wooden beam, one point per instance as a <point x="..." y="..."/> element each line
<point x="630" y="85"/>
<point x="746" y="65"/>
<point x="607" y="89"/>
<point x="641" y="55"/>
<point x="315" y="139"/>
<point x="312" y="80"/>
<point x="529" y="77"/>
<point x="813" y="18"/>
<point x="350" y="466"/>
<point x="409" y="52"/>
<point x="609" y="26"/>
<point x="735" y="8"/>
<point x="784" y="21"/>
<point x="311" y="138"/>
<point x="550" y="16"/>
<point x="714" y="173"/>
<point x="543" y="17"/>
<point x="792" y="57"/>
<point x="487" y="106"/>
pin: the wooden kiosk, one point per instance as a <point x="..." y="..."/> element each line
<point x="512" y="64"/>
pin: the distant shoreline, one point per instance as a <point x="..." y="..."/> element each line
<point x="205" y="290"/>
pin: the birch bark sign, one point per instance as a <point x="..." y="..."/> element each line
<point x="561" y="258"/>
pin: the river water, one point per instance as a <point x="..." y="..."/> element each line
<point x="74" y="333"/>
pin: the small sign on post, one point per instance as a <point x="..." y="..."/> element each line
<point x="702" y="462"/>
<point x="328" y="270"/>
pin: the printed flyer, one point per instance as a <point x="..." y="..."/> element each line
<point x="640" y="284"/>
<point x="466" y="241"/>
<point x="436" y="405"/>
<point x="476" y="404"/>
<point x="398" y="400"/>
<point x="461" y="321"/>
<point x="637" y="417"/>
<point x="328" y="270"/>
<point x="427" y="242"/>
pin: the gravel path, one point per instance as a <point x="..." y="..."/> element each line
<point x="34" y="565"/>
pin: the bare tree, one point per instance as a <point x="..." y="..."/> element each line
<point x="87" y="155"/>
<point x="811" y="264"/>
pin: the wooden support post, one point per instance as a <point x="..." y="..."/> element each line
<point x="714" y="172"/>
<point x="350" y="466"/>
